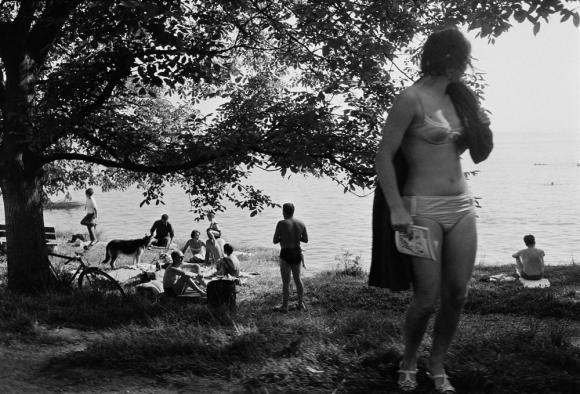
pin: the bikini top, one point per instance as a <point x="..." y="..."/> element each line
<point x="435" y="129"/>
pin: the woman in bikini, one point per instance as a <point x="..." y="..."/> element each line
<point x="195" y="245"/>
<point x="430" y="125"/>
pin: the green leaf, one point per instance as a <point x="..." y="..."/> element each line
<point x="565" y="17"/>
<point x="520" y="15"/>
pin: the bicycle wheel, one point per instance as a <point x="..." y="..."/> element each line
<point x="93" y="279"/>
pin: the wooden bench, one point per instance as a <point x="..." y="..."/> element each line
<point x="49" y="236"/>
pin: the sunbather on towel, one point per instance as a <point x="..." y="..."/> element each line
<point x="530" y="261"/>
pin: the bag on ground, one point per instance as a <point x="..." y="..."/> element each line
<point x="221" y="292"/>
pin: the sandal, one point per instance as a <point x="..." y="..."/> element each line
<point x="407" y="379"/>
<point x="441" y="382"/>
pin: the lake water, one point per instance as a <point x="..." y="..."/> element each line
<point x="530" y="184"/>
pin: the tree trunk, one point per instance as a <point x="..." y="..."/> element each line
<point x="20" y="173"/>
<point x="28" y="270"/>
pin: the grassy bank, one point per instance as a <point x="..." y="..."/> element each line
<point x="511" y="340"/>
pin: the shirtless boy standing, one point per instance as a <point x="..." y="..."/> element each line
<point x="289" y="233"/>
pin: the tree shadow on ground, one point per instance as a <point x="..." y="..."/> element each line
<point x="349" y="340"/>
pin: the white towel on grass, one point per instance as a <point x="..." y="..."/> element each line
<point x="535" y="284"/>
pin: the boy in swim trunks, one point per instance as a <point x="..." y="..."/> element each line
<point x="289" y="233"/>
<point x="229" y="264"/>
<point x="530" y="261"/>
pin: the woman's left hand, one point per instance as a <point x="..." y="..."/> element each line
<point x="483" y="117"/>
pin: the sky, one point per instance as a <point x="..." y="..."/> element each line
<point x="533" y="81"/>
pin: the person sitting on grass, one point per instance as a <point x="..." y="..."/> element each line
<point x="530" y="261"/>
<point x="195" y="245"/>
<point x="229" y="264"/>
<point x="176" y="281"/>
<point x="163" y="232"/>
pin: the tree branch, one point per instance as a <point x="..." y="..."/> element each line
<point x="2" y="90"/>
<point x="326" y="156"/>
<point x="25" y="15"/>
<point x="290" y="35"/>
<point x="124" y="63"/>
<point x="348" y="167"/>
<point x="398" y="68"/>
<point x="130" y="166"/>
<point x="101" y="144"/>
<point x="48" y="26"/>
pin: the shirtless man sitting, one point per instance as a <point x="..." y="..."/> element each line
<point x="176" y="281"/>
<point x="530" y="261"/>
<point x="289" y="233"/>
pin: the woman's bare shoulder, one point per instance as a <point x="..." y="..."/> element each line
<point x="408" y="99"/>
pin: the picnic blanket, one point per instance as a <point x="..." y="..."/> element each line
<point x="155" y="286"/>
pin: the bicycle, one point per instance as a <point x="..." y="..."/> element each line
<point x="89" y="278"/>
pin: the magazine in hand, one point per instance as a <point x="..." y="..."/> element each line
<point x="421" y="245"/>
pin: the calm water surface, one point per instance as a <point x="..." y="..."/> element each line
<point x="530" y="184"/>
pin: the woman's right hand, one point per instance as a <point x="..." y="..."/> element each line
<point x="401" y="221"/>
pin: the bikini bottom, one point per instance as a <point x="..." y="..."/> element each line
<point x="447" y="211"/>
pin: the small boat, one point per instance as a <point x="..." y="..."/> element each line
<point x="62" y="204"/>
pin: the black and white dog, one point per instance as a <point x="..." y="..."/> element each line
<point x="130" y="247"/>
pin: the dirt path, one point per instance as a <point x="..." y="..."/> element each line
<point x="26" y="368"/>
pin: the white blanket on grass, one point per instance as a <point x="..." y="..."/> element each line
<point x="535" y="284"/>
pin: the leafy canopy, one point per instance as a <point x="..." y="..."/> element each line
<point x="300" y="86"/>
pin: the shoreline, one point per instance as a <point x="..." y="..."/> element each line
<point x="341" y="261"/>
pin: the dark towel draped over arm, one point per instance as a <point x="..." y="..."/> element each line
<point x="389" y="268"/>
<point x="478" y="136"/>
